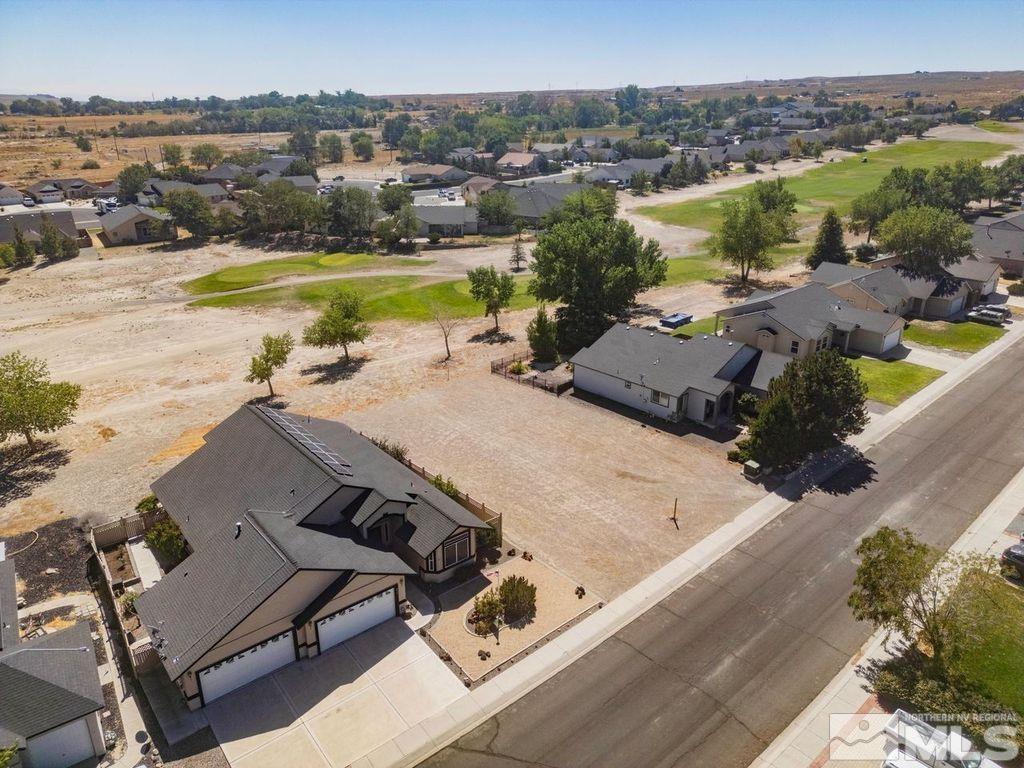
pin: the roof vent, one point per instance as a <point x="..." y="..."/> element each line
<point x="652" y="333"/>
<point x="238" y="529"/>
<point x="680" y="341"/>
<point x="705" y="338"/>
<point x="730" y="343"/>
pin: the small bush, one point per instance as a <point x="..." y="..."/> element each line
<point x="391" y="447"/>
<point x="518" y="598"/>
<point x="446" y="486"/>
<point x="148" y="504"/>
<point x="1016" y="289"/>
<point x="487" y="607"/>
<point x="747" y="405"/>
<point x="90" y="165"/>
<point x="487" y="537"/>
<point x="127" y="601"/>
<point x="542" y="335"/>
<point x="518" y="368"/>
<point x="434" y="238"/>
<point x="866" y="252"/>
<point x="750" y="166"/>
<point x="167" y="539"/>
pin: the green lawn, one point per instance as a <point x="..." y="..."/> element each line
<point x="893" y="382"/>
<point x="996" y="663"/>
<point x="688" y="331"/>
<point x="693" y="269"/>
<point x="959" y="337"/>
<point x="263" y="272"/>
<point x="994" y="126"/>
<point x="832" y="184"/>
<point x="396" y="297"/>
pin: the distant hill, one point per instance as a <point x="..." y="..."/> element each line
<point x="7" y="98"/>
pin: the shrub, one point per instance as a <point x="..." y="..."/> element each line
<point x="747" y="405"/>
<point x="487" y="537"/>
<point x="166" y="538"/>
<point x="518" y="368"/>
<point x="487" y="607"/>
<point x="6" y="255"/>
<point x="127" y="601"/>
<point x="391" y="447"/>
<point x="541" y="333"/>
<point x="90" y="165"/>
<point x="148" y="504"/>
<point x="446" y="485"/>
<point x="518" y="598"/>
<point x="866" y="252"/>
<point x="750" y="166"/>
<point x="434" y="238"/>
<point x="83" y="143"/>
<point x="1016" y="289"/>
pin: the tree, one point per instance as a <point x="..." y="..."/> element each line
<point x="130" y="182"/>
<point x="817" y="150"/>
<point x="279" y="207"/>
<point x="332" y="148"/>
<point x="49" y="239"/>
<point x="206" y="154"/>
<point x="29" y="401"/>
<point x="190" y="210"/>
<point x="925" y="239"/>
<point x="226" y="222"/>
<point x="363" y="147"/>
<point x="166" y="538"/>
<point x="406" y="225"/>
<point x="829" y="245"/>
<point x="779" y="204"/>
<point x="745" y="237"/>
<point x="518" y="253"/>
<point x="7" y="255"/>
<point x="492" y="288"/>
<point x="796" y="146"/>
<point x="639" y="182"/>
<point x="774" y="439"/>
<point x="301" y="167"/>
<point x="351" y="212"/>
<point x="679" y="174"/>
<point x="542" y="334"/>
<point x="68" y="248"/>
<point x="393" y="196"/>
<point x="870" y="209"/>
<point x="273" y="354"/>
<point x="447" y="322"/>
<point x="302" y="142"/>
<point x="586" y="204"/>
<point x="172" y="154"/>
<point x="340" y="324"/>
<point x="595" y="267"/>
<point x="497" y="208"/>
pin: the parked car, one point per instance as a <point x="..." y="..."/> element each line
<point x="390" y="179"/>
<point x="985" y="316"/>
<point x="1001" y="309"/>
<point x="27" y="201"/>
<point x="338" y="178"/>
<point x="1013" y="559"/>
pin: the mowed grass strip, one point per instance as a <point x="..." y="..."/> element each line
<point x="892" y="382"/>
<point x="831" y="184"/>
<point x="994" y="126"/>
<point x="996" y="661"/>
<point x="263" y="272"/>
<point x="964" y="336"/>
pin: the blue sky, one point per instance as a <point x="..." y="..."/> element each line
<point x="234" y="47"/>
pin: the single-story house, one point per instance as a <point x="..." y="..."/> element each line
<point x="799" y="321"/>
<point x="795" y="123"/>
<point x="475" y="186"/>
<point x="433" y="174"/>
<point x="880" y="290"/>
<point x="716" y="136"/>
<point x="302" y="183"/>
<point x="29" y="222"/>
<point x="1001" y="241"/>
<point x="74" y="189"/>
<point x="50" y="694"/>
<point x="519" y="163"/>
<point x="461" y="155"/>
<point x="668" y="377"/>
<point x="10" y="196"/>
<point x="981" y="277"/>
<point x="223" y="173"/>
<point x="277" y="164"/>
<point x="45" y="192"/>
<point x="533" y="201"/>
<point x="737" y="153"/>
<point x="446" y="220"/>
<point x="137" y="224"/>
<point x="593" y="154"/>
<point x="936" y="297"/>
<point x="301" y="532"/>
<point x="553" y="151"/>
<point x="156" y="189"/>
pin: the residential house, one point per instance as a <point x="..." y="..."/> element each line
<point x="879" y="290"/>
<point x="447" y="220"/>
<point x="795" y="123"/>
<point x="434" y="174"/>
<point x="74" y="189"/>
<point x="155" y="190"/>
<point x="621" y="173"/>
<point x="461" y="155"/>
<point x="937" y="297"/>
<point x="50" y="694"/>
<point x="29" y="222"/>
<point x="476" y="186"/>
<point x="302" y="183"/>
<point x="593" y="154"/>
<point x="669" y="377"/>
<point x="981" y="277"/>
<point x="799" y="321"/>
<point x="518" y="163"/>
<point x="45" y="192"/>
<point x="277" y="164"/>
<point x="10" y="196"/>
<point x="1001" y="241"/>
<point x="716" y="137"/>
<point x="301" y="532"/>
<point x="223" y="174"/>
<point x="769" y="150"/>
<point x="534" y="201"/>
<point x="137" y="224"/>
<point x="553" y="151"/>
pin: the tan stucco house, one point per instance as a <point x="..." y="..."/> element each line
<point x="50" y="694"/>
<point x="799" y="321"/>
<point x="301" y="533"/>
<point x="137" y="224"/>
<point x="433" y="174"/>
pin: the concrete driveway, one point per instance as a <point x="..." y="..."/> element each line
<point x="329" y="711"/>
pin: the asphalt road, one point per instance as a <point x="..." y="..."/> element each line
<point x="709" y="676"/>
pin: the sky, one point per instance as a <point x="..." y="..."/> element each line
<point x="228" y="48"/>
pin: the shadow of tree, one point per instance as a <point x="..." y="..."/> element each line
<point x="268" y="401"/>
<point x="491" y="336"/>
<point x="734" y="289"/>
<point x="335" y="371"/>
<point x="21" y="469"/>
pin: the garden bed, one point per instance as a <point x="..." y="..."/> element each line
<point x="119" y="564"/>
<point x="551" y="377"/>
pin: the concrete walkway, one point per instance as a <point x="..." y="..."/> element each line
<point x="83" y="601"/>
<point x="932" y="358"/>
<point x="476" y="706"/>
<point x="805" y="744"/>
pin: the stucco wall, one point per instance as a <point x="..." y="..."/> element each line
<point x="635" y="396"/>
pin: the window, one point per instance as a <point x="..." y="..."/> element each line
<point x="659" y="397"/>
<point x="629" y="385"/>
<point x="821" y="344"/>
<point x="456" y="550"/>
<point x="794" y="348"/>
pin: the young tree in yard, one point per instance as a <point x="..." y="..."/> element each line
<point x="745" y="237"/>
<point x="6" y="255"/>
<point x="869" y="210"/>
<point x="639" y="182"/>
<point x="447" y="322"/>
<point x="226" y="222"/>
<point x="585" y="204"/>
<point x="30" y="402"/>
<point x="679" y="174"/>
<point x="492" y="288"/>
<point x="206" y="155"/>
<point x="796" y="146"/>
<point x="49" y="240"/>
<point x="301" y="167"/>
<point x="407" y="226"/>
<point x="773" y="440"/>
<point x="273" y="354"/>
<point x="302" y="142"/>
<point x="497" y="208"/>
<point x="779" y="204"/>
<point x="24" y="253"/>
<point x="392" y="197"/>
<point x="172" y="154"/>
<point x="595" y="267"/>
<point x="340" y="324"/>
<point x="68" y="248"/>
<point x="332" y="148"/>
<point x="542" y="334"/>
<point x="191" y="211"/>
<point x="130" y="182"/>
<point x="817" y="150"/>
<point x="828" y="244"/>
<point x="925" y="239"/>
<point x="518" y="256"/>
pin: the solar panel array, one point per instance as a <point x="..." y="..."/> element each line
<point x="309" y="440"/>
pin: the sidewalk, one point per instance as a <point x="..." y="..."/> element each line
<point x="804" y="744"/>
<point x="472" y="709"/>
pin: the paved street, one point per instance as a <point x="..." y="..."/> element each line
<point x="715" y="671"/>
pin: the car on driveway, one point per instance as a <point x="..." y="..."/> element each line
<point x="985" y="316"/>
<point x="1013" y="559"/>
<point x="27" y="201"/>
<point x="1000" y="309"/>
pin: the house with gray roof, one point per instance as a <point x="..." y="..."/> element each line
<point x="1001" y="241"/>
<point x="800" y="321"/>
<point x="302" y="183"/>
<point x="447" y="220"/>
<point x="534" y="201"/>
<point x="9" y="195"/>
<point x="50" y="694"/>
<point x="277" y="164"/>
<point x="45" y="192"/>
<point x="301" y="532"/>
<point x="29" y="222"/>
<point x="433" y="174"/>
<point x="879" y="290"/>
<point x="137" y="224"/>
<point x="672" y="378"/>
<point x="223" y="173"/>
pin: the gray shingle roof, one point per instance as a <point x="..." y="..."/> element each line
<point x="114" y="219"/>
<point x="884" y="284"/>
<point x="659" y="361"/>
<point x="532" y="201"/>
<point x="8" y="606"/>
<point x="31" y="221"/>
<point x="973" y="269"/>
<point x="999" y="238"/>
<point x="224" y="171"/>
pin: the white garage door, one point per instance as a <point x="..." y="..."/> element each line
<point x="891" y="341"/>
<point x="236" y="671"/>
<point x="61" y="747"/>
<point x="349" y="622"/>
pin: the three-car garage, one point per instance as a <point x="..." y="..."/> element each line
<point x="354" y="619"/>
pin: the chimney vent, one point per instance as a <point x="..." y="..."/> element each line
<point x="238" y="528"/>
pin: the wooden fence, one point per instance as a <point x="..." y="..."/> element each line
<point x="127" y="527"/>
<point x="478" y="508"/>
<point x="533" y="379"/>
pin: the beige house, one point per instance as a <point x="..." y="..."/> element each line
<point x="137" y="224"/>
<point x="799" y="321"/>
<point x="519" y="163"/>
<point x="302" y="533"/>
<point x="879" y="290"/>
<point x="431" y="174"/>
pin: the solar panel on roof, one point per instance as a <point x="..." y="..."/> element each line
<point x="309" y="441"/>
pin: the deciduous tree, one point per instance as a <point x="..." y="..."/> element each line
<point x="340" y="324"/>
<point x="273" y="354"/>
<point x="745" y="237"/>
<point x="495" y="290"/>
<point x="206" y="154"/>
<point x="30" y="402"/>
<point x="869" y="210"/>
<point x="925" y="239"/>
<point x="497" y="208"/>
<point x="392" y="197"/>
<point x="130" y="182"/>
<point x="190" y="210"/>
<point x="172" y="154"/>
